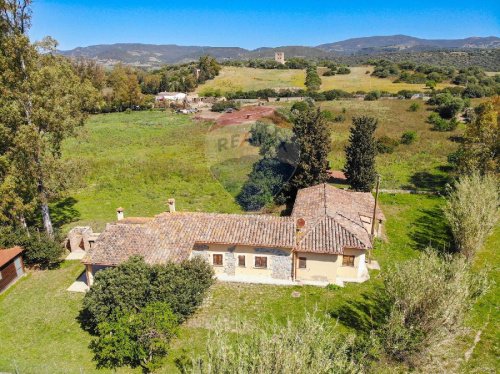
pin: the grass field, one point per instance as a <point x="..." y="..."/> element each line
<point x="359" y="80"/>
<point x="138" y="161"/>
<point x="40" y="334"/>
<point x="233" y="79"/>
<point x="420" y="165"/>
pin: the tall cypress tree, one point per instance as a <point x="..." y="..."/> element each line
<point x="312" y="136"/>
<point x="360" y="154"/>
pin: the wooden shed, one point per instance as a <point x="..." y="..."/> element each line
<point x="11" y="266"/>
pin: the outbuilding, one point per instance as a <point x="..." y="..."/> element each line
<point x="11" y="266"/>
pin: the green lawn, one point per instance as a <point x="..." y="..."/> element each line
<point x="138" y="161"/>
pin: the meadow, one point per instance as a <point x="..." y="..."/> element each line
<point x="360" y="80"/>
<point x="233" y="79"/>
<point x="421" y="165"/>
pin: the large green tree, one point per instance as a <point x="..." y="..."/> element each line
<point x="312" y="138"/>
<point x="360" y="154"/>
<point x="481" y="147"/>
<point x="43" y="101"/>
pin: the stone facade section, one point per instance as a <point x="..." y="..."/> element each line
<point x="229" y="262"/>
<point x="280" y="262"/>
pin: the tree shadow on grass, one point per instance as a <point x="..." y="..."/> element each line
<point x="64" y="212"/>
<point x="432" y="230"/>
<point x="364" y="314"/>
<point x="429" y="181"/>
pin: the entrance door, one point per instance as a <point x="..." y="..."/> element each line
<point x="19" y="266"/>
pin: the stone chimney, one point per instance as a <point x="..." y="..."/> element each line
<point x="120" y="213"/>
<point x="171" y="205"/>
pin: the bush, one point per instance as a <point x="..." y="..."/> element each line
<point x="386" y="144"/>
<point x="309" y="347"/>
<point x="128" y="287"/>
<point x="408" y="137"/>
<point x="343" y="70"/>
<point x="339" y="118"/>
<point x="300" y="106"/>
<point x="472" y="210"/>
<point x="136" y="339"/>
<point x="414" y="107"/>
<point x="428" y="298"/>
<point x="39" y="249"/>
<point x="221" y="106"/>
<point x="440" y="124"/>
<point x="373" y="95"/>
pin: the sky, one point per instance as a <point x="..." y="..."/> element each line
<point x="257" y="23"/>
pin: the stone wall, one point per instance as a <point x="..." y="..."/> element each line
<point x="280" y="262"/>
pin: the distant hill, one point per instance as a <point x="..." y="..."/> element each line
<point x="374" y="44"/>
<point x="151" y="55"/>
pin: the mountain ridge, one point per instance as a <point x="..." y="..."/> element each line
<point x="149" y="55"/>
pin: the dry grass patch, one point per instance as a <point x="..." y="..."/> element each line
<point x="233" y="79"/>
<point x="359" y="80"/>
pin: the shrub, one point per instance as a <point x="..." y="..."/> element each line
<point x="386" y="144"/>
<point x="414" y="107"/>
<point x="131" y="285"/>
<point x="373" y="95"/>
<point x="440" y="124"/>
<point x="128" y="111"/>
<point x="300" y="106"/>
<point x="221" y="106"/>
<point x="343" y="70"/>
<point x="339" y="118"/>
<point x="428" y="298"/>
<point x="472" y="210"/>
<point x="136" y="339"/>
<point x="39" y="249"/>
<point x="408" y="137"/>
<point x="309" y="347"/>
<point x="183" y="286"/>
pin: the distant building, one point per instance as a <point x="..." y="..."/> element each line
<point x="279" y="57"/>
<point x="170" y="96"/>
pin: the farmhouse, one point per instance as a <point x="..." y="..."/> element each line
<point x="11" y="266"/>
<point x="325" y="240"/>
<point x="170" y="96"/>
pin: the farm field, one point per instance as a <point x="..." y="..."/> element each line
<point x="49" y="311"/>
<point x="359" y="80"/>
<point x="233" y="79"/>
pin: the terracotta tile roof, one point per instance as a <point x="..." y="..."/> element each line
<point x="332" y="223"/>
<point x="7" y="255"/>
<point x="328" y="236"/>
<point x="171" y="236"/>
<point x="324" y="206"/>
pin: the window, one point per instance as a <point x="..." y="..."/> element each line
<point x="260" y="262"/>
<point x="302" y="262"/>
<point x="241" y="261"/>
<point x="347" y="260"/>
<point x="217" y="260"/>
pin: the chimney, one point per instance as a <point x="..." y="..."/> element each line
<point x="119" y="214"/>
<point x="171" y="205"/>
